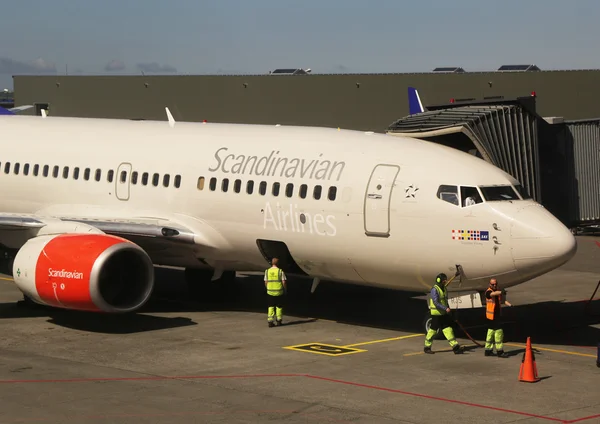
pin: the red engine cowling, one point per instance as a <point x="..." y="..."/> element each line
<point x="87" y="272"/>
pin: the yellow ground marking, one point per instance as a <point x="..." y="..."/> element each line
<point x="6" y="279"/>
<point x="566" y="352"/>
<point x="324" y="349"/>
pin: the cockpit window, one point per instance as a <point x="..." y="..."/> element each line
<point x="522" y="191"/>
<point x="448" y="193"/>
<point x="470" y="196"/>
<point x="498" y="193"/>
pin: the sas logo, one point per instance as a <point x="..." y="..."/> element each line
<point x="470" y="235"/>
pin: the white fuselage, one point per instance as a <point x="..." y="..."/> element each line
<point x="385" y="227"/>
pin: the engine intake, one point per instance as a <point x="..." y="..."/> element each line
<point x="87" y="272"/>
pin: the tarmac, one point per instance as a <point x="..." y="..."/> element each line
<point x="345" y="354"/>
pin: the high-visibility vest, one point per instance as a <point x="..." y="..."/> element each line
<point x="490" y="305"/>
<point x="443" y="300"/>
<point x="274" y="281"/>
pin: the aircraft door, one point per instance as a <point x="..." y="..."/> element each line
<point x="122" y="181"/>
<point x="377" y="200"/>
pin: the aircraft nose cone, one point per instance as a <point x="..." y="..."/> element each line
<point x="540" y="242"/>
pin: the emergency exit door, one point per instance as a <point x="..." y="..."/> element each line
<point x="122" y="181"/>
<point x="378" y="199"/>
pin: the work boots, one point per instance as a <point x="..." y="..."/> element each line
<point x="501" y="354"/>
<point x="427" y="350"/>
<point x="458" y="349"/>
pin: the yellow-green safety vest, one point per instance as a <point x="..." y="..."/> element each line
<point x="443" y="301"/>
<point x="274" y="281"/>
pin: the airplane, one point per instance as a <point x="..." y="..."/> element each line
<point x="89" y="206"/>
<point x="13" y="110"/>
<point x="415" y="105"/>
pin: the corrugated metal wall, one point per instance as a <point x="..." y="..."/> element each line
<point x="585" y="198"/>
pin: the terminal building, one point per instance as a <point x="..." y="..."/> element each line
<point x="542" y="127"/>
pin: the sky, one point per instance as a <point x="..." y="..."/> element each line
<point x="327" y="36"/>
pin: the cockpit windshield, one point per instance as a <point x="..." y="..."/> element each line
<point x="499" y="193"/>
<point x="523" y="192"/>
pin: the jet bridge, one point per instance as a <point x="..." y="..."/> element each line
<point x="504" y="134"/>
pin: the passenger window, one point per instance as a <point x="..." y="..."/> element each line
<point x="166" y="180"/>
<point x="46" y="169"/>
<point x="275" y="190"/>
<point x="177" y="183"/>
<point x="86" y="174"/>
<point x="76" y="173"/>
<point x="36" y="170"/>
<point x="66" y="172"/>
<point x="200" y="184"/>
<point x="250" y="187"/>
<point x="110" y="175"/>
<point x="332" y="192"/>
<point x="225" y="184"/>
<point x="123" y="176"/>
<point x="237" y="186"/>
<point x="155" y="178"/>
<point x="55" y="171"/>
<point x="26" y="169"/>
<point x="17" y="167"/>
<point x="262" y="188"/>
<point x="7" y="167"/>
<point x="317" y="192"/>
<point x="98" y="174"/>
<point x="145" y="178"/>
<point x="470" y="196"/>
<point x="303" y="191"/>
<point x="134" y="177"/>
<point x="213" y="184"/>
<point x="448" y="193"/>
<point x="289" y="190"/>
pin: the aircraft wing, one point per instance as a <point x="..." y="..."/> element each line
<point x="160" y="238"/>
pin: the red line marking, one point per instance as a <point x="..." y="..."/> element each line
<point x="435" y="398"/>
<point x="598" y="243"/>
<point x="582" y="419"/>
<point x="315" y="377"/>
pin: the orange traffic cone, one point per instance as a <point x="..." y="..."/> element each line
<point x="528" y="372"/>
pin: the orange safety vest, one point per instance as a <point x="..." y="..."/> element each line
<point x="490" y="305"/>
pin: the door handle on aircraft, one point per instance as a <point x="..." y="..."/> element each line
<point x="496" y="240"/>
<point x="374" y="196"/>
<point x="496" y="227"/>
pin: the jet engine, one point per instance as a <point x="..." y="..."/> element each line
<point x="86" y="272"/>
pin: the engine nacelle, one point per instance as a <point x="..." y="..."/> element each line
<point x="86" y="272"/>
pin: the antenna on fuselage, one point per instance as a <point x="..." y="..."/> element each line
<point x="170" y="118"/>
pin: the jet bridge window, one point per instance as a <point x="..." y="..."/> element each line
<point x="470" y="196"/>
<point x="249" y="186"/>
<point x="498" y="193"/>
<point x="237" y="186"/>
<point x="448" y="193"/>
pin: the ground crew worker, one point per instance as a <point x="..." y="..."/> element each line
<point x="275" y="283"/>
<point x="493" y="300"/>
<point x="440" y="318"/>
